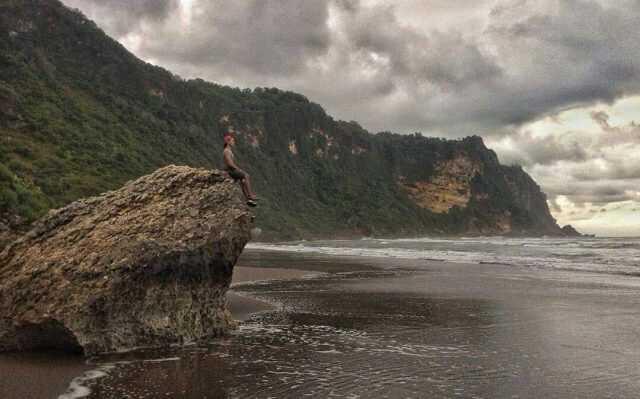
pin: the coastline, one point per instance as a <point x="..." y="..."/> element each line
<point x="488" y="330"/>
<point x="536" y="330"/>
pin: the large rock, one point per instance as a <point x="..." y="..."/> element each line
<point x="148" y="264"/>
<point x="570" y="231"/>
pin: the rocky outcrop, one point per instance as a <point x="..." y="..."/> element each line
<point x="570" y="231"/>
<point x="529" y="197"/>
<point x="449" y="186"/>
<point x="148" y="264"/>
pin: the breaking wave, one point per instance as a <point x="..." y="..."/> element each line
<point x="600" y="255"/>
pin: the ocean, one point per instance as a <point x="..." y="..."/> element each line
<point x="599" y="255"/>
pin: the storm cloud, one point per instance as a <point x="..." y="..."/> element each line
<point x="510" y="62"/>
<point x="121" y="17"/>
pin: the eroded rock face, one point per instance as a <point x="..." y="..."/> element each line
<point x="449" y="186"/>
<point x="148" y="264"/>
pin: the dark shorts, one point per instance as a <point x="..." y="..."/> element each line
<point x="236" y="174"/>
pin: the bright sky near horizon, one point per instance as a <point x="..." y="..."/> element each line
<point x="553" y="85"/>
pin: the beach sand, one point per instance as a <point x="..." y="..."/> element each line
<point x="242" y="307"/>
<point x="388" y="328"/>
<point x="264" y="266"/>
<point x="38" y="375"/>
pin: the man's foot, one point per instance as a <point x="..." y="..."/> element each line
<point x="251" y="203"/>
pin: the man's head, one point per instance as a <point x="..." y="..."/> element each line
<point x="229" y="138"/>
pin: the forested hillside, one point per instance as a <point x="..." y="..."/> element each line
<point x="80" y="115"/>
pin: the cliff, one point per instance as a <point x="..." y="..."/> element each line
<point x="147" y="264"/>
<point x="468" y="190"/>
<point x="81" y="115"/>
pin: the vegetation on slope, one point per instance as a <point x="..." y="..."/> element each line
<point x="80" y="115"/>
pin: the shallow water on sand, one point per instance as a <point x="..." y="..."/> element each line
<point x="439" y="331"/>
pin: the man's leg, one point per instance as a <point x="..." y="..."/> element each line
<point x="243" y="185"/>
<point x="246" y="188"/>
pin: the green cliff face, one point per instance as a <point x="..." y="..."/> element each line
<point x="80" y="115"/>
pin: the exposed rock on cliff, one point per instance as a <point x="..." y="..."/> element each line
<point x="449" y="186"/>
<point x="464" y="184"/>
<point x="570" y="231"/>
<point x="148" y="264"/>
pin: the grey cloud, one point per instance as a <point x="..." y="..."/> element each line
<point x="615" y="135"/>
<point x="554" y="205"/>
<point x="601" y="118"/>
<point x="580" y="53"/>
<point x="531" y="150"/>
<point x="260" y="38"/>
<point x="528" y="62"/>
<point x="348" y="5"/>
<point x="586" y="167"/>
<point x="623" y="171"/>
<point x="361" y="61"/>
<point x="600" y="193"/>
<point x="120" y="17"/>
<point x="446" y="61"/>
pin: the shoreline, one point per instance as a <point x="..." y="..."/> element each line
<point x="489" y="290"/>
<point x="266" y="239"/>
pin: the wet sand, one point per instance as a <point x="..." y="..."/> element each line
<point x="242" y="307"/>
<point x="392" y="328"/>
<point x="260" y="266"/>
<point x="38" y="375"/>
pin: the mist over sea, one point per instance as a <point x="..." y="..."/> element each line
<point x="600" y="255"/>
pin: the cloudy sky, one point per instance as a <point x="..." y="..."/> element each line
<point x="553" y="85"/>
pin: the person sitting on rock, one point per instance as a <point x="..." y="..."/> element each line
<point x="234" y="171"/>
